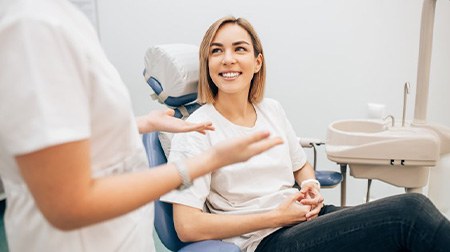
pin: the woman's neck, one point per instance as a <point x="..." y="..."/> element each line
<point x="236" y="109"/>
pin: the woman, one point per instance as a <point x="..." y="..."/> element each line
<point x="253" y="204"/>
<point x="71" y="159"/>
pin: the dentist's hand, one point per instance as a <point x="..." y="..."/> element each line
<point x="243" y="148"/>
<point x="291" y="211"/>
<point x="312" y="198"/>
<point x="163" y="120"/>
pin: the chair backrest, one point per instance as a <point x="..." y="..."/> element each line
<point x="163" y="211"/>
<point x="171" y="71"/>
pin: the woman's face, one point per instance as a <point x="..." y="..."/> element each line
<point x="232" y="61"/>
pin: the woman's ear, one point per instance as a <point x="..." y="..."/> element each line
<point x="258" y="61"/>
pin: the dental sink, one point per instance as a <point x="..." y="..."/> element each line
<point x="397" y="155"/>
<point x="359" y="126"/>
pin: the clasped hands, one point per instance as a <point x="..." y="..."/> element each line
<point x="310" y="195"/>
<point x="302" y="206"/>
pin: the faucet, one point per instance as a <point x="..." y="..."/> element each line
<point x="405" y="94"/>
<point x="392" y="119"/>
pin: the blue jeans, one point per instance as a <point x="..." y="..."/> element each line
<point x="407" y="222"/>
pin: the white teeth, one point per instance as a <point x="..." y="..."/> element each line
<point x="230" y="75"/>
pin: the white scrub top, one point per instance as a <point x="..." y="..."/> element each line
<point x="57" y="86"/>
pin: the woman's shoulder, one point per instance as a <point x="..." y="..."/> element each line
<point x="269" y="104"/>
<point x="203" y="113"/>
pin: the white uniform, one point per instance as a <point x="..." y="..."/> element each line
<point x="255" y="186"/>
<point x="57" y="86"/>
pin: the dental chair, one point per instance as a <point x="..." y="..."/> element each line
<point x="171" y="71"/>
<point x="176" y="64"/>
<point x="164" y="214"/>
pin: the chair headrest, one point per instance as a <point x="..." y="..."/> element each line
<point x="171" y="71"/>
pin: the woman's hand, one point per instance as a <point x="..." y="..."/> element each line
<point x="163" y="120"/>
<point x="291" y="211"/>
<point x="312" y="198"/>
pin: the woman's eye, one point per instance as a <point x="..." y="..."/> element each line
<point x="240" y="49"/>
<point x="215" y="50"/>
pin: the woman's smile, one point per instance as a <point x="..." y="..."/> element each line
<point x="230" y="75"/>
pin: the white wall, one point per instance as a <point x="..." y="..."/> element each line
<point x="326" y="58"/>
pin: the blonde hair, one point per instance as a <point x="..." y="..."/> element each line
<point x="207" y="90"/>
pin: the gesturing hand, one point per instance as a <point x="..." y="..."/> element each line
<point x="163" y="120"/>
<point x="241" y="149"/>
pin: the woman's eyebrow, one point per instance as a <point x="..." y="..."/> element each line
<point x="234" y="43"/>
<point x="216" y="44"/>
<point x="240" y="43"/>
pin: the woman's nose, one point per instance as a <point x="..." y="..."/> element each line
<point x="228" y="58"/>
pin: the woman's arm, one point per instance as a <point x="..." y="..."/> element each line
<point x="60" y="181"/>
<point x="164" y="120"/>
<point x="193" y="224"/>
<point x="306" y="172"/>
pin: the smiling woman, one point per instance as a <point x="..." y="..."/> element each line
<point x="232" y="64"/>
<point x="225" y="51"/>
<point x="254" y="204"/>
<point x="232" y="61"/>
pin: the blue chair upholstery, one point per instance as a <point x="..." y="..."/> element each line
<point x="164" y="213"/>
<point x="328" y="179"/>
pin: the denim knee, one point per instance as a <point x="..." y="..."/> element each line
<point x="413" y="203"/>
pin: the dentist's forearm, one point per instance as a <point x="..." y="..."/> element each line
<point x="59" y="179"/>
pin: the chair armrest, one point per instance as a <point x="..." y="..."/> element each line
<point x="210" y="245"/>
<point x="308" y="142"/>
